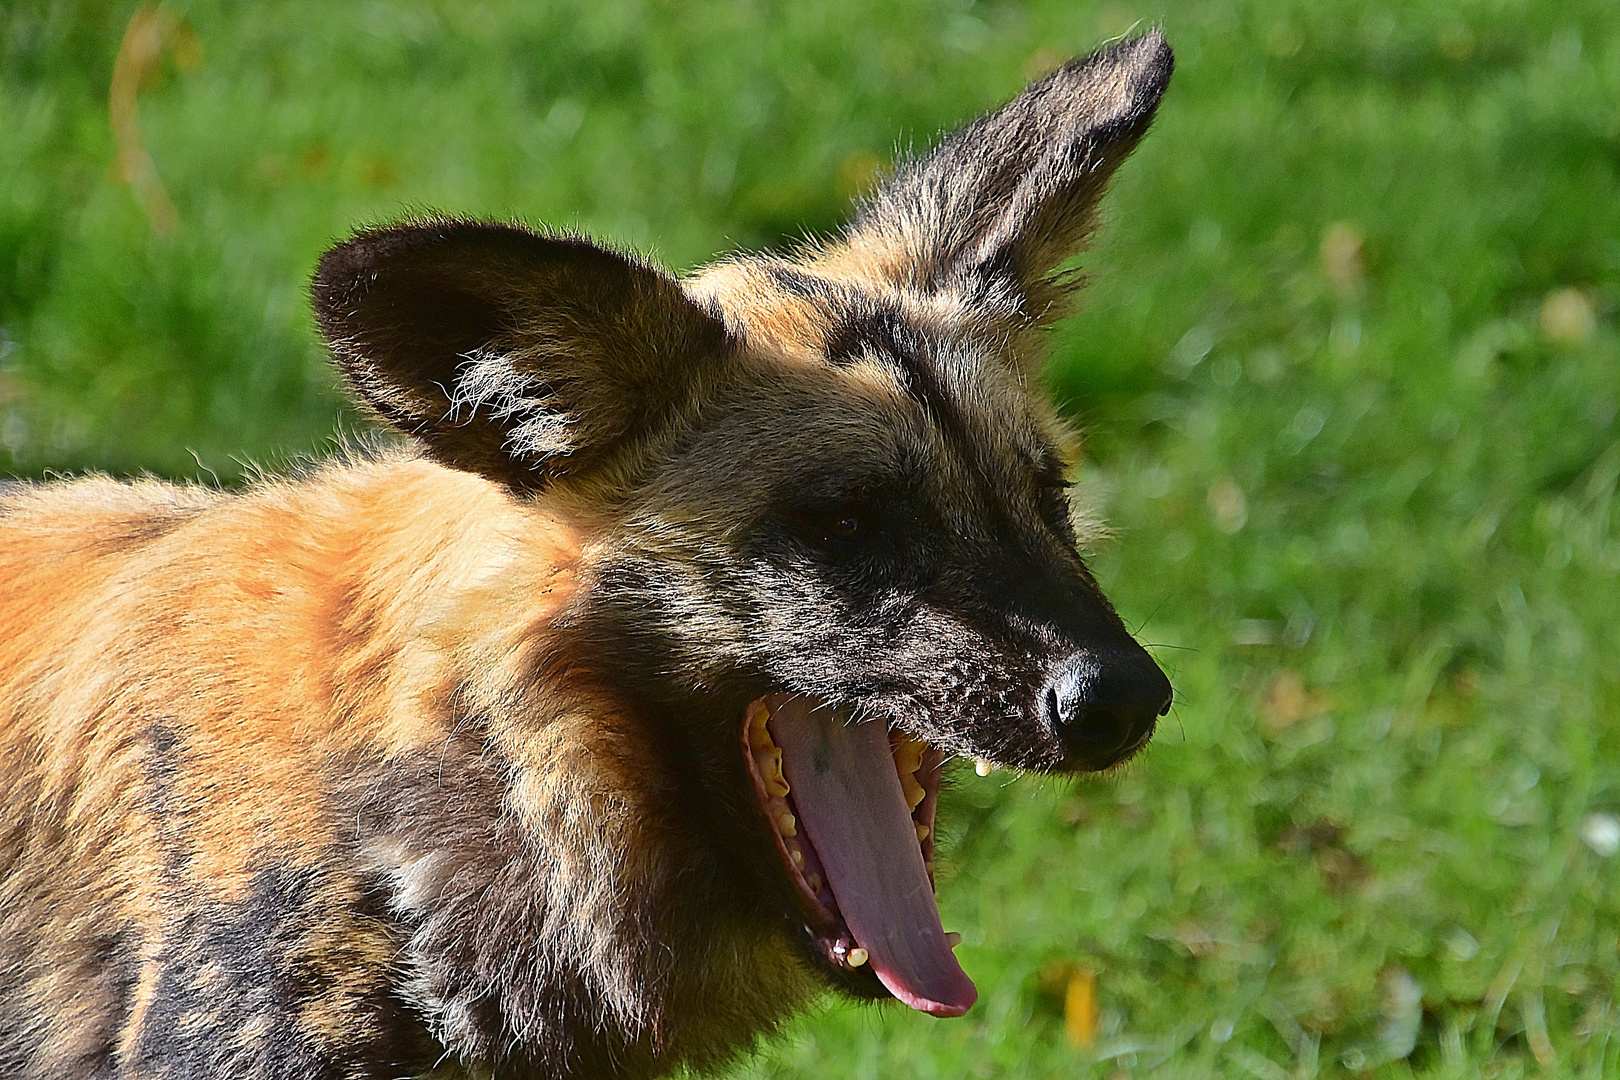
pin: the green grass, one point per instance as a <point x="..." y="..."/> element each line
<point x="1357" y="437"/>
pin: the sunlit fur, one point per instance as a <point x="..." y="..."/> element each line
<point x="425" y="761"/>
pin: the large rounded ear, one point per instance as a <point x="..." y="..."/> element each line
<point x="1003" y="201"/>
<point x="507" y="353"/>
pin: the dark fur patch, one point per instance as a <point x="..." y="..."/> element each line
<point x="163" y="745"/>
<point x="868" y="328"/>
<point x="795" y="282"/>
<point x="225" y="995"/>
<point x="239" y="981"/>
<point x="146" y="530"/>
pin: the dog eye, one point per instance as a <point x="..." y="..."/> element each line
<point x="847" y="526"/>
<point x="836" y="523"/>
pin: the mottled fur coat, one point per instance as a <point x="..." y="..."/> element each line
<point x="600" y="729"/>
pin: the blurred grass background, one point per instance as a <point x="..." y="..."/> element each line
<point x="1349" y="366"/>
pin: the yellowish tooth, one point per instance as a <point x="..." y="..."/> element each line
<point x="814" y="881"/>
<point x="787" y="824"/>
<point x="857" y="957"/>
<point x="983" y="767"/>
<point x="952" y="938"/>
<point x="770" y="771"/>
<point x="797" y="856"/>
<point x="908" y="756"/>
<point x="759" y="736"/>
<point x="912" y="790"/>
<point x="922" y="832"/>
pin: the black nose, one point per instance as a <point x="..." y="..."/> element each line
<point x="1103" y="705"/>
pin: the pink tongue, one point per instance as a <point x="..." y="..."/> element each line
<point x="851" y="806"/>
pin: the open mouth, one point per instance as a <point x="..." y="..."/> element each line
<point x="852" y="809"/>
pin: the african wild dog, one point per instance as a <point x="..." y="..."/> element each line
<point x="603" y="728"/>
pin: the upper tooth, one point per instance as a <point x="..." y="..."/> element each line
<point x="908" y="755"/>
<point x="787" y="824"/>
<point x="952" y="938"/>
<point x="983" y="767"/>
<point x="857" y="957"/>
<point x="759" y="736"/>
<point x="913" y="790"/>
<point x="922" y="832"/>
<point x="770" y="771"/>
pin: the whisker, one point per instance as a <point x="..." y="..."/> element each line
<point x="1152" y="614"/>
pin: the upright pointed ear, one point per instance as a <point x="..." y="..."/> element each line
<point x="1003" y="201"/>
<point x="518" y="356"/>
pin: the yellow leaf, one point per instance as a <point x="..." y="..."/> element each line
<point x="1080" y="1008"/>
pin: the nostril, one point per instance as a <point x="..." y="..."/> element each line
<point x="1105" y="705"/>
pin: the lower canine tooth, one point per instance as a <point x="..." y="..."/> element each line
<point x="857" y="957"/>
<point x="922" y="832"/>
<point x="983" y="767"/>
<point x="953" y="939"/>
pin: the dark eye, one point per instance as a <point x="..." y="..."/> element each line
<point x="846" y="526"/>
<point x="836" y="523"/>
